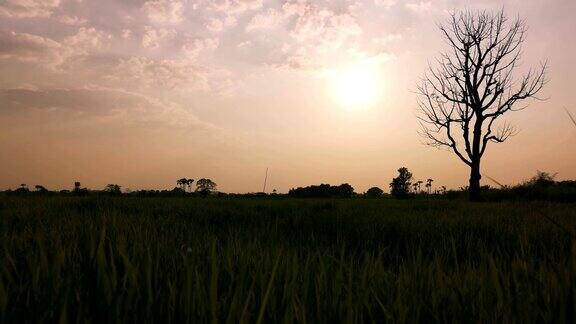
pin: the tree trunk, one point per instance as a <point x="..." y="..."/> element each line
<point x="474" y="185"/>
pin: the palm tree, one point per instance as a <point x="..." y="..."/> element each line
<point x="429" y="185"/>
<point x="420" y="182"/>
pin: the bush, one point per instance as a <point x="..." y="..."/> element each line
<point x="323" y="191"/>
<point x="374" y="192"/>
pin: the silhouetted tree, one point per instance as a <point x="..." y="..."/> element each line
<point x="23" y="189"/>
<point x="182" y="183"/>
<point x="374" y="192"/>
<point x="345" y="190"/>
<point x="429" y="185"/>
<point x="40" y="188"/>
<point x="205" y="186"/>
<point x="189" y="183"/>
<point x="461" y="101"/>
<point x="78" y="190"/>
<point x="541" y="179"/>
<point x="185" y="184"/>
<point x="113" y="189"/>
<point x="400" y="186"/>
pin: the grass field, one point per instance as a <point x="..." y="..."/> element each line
<point x="127" y="259"/>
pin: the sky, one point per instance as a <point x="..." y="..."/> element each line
<point x="142" y="93"/>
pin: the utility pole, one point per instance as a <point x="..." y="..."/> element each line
<point x="265" y="179"/>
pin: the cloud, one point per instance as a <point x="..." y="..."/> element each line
<point x="183" y="75"/>
<point x="126" y="33"/>
<point x="164" y="11"/>
<point x="385" y="3"/>
<point x="144" y="72"/>
<point x="422" y="6"/>
<point x="313" y="22"/>
<point x="76" y="100"/>
<point x="223" y="14"/>
<point x="86" y="40"/>
<point x="193" y="48"/>
<point x="86" y="57"/>
<point x="29" y="48"/>
<point x="234" y="6"/>
<point x="264" y="20"/>
<point x="245" y="44"/>
<point x="153" y="37"/>
<point x="219" y="24"/>
<point x="387" y="39"/>
<point x="71" y="20"/>
<point x="323" y="37"/>
<point x="320" y="34"/>
<point x="27" y="8"/>
<point x="49" y="53"/>
<point x="102" y="103"/>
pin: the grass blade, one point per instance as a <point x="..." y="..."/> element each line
<point x="268" y="289"/>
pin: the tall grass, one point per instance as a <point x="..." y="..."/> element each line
<point x="98" y="259"/>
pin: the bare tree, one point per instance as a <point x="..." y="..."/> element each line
<point x="462" y="99"/>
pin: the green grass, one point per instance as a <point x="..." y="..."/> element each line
<point x="99" y="259"/>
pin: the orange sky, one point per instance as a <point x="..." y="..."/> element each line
<point x="141" y="93"/>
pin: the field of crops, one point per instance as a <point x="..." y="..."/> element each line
<point x="261" y="260"/>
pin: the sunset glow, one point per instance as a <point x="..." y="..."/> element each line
<point x="287" y="161"/>
<point x="142" y="92"/>
<point x="357" y="87"/>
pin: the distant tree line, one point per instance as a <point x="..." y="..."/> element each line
<point x="183" y="187"/>
<point x="323" y="191"/>
<point x="542" y="186"/>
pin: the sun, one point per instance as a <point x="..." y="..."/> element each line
<point x="357" y="86"/>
